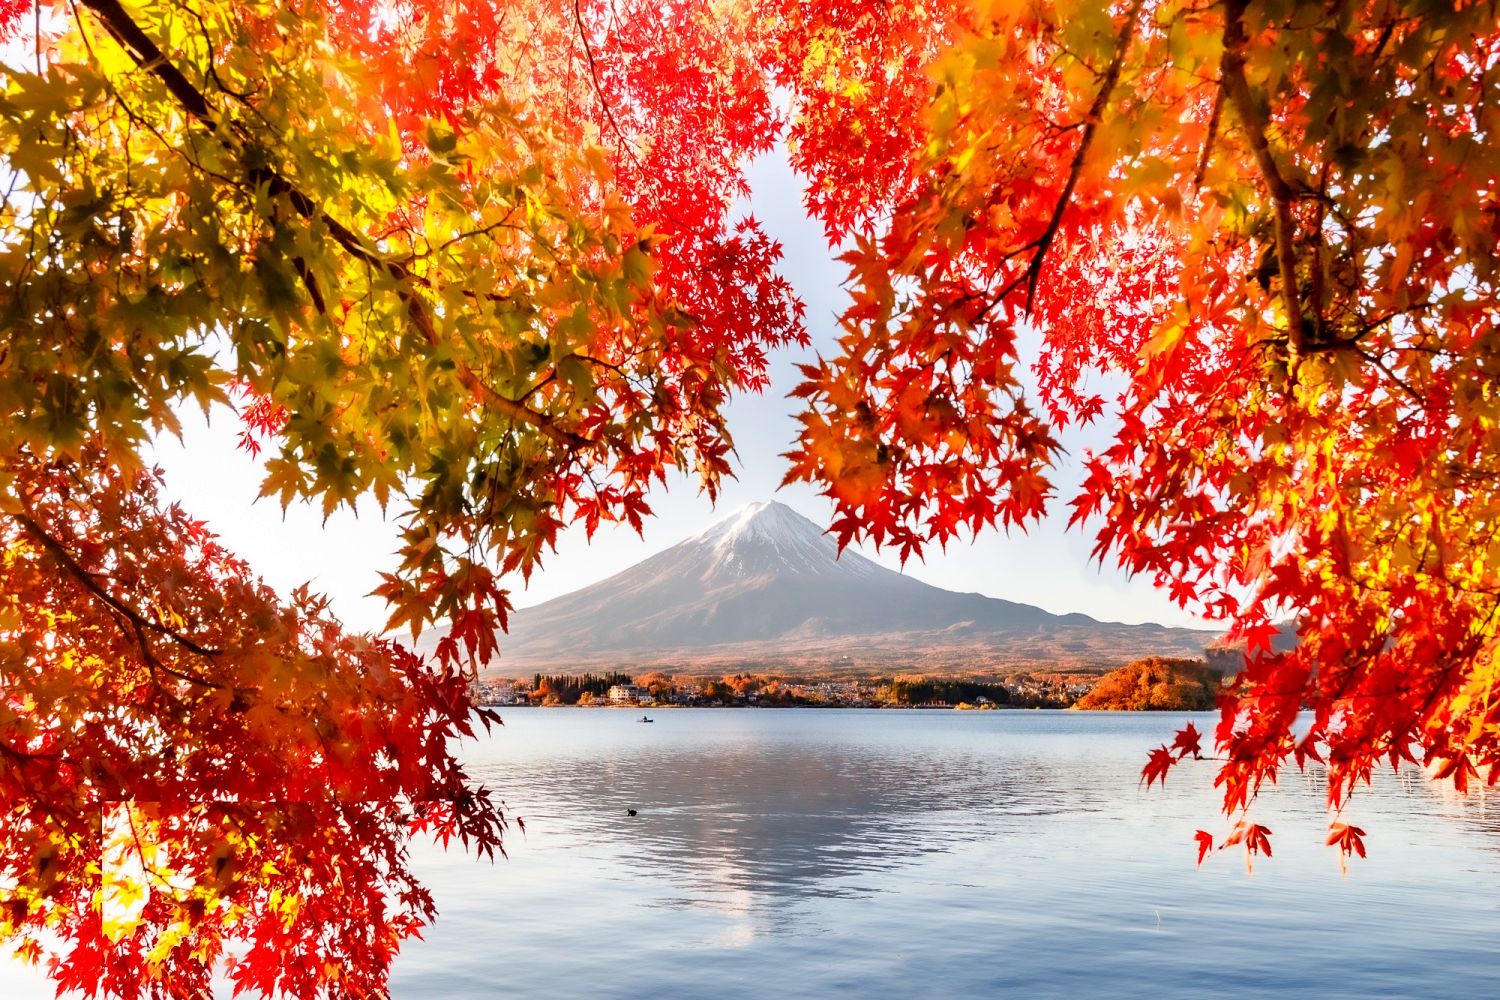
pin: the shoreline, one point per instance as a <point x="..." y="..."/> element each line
<point x="882" y="708"/>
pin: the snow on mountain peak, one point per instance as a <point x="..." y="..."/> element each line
<point x="765" y="519"/>
<point x="768" y="536"/>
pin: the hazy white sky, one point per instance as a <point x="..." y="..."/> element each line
<point x="1048" y="567"/>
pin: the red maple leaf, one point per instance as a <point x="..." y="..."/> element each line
<point x="1258" y="637"/>
<point x="1157" y="766"/>
<point x="1188" y="741"/>
<point x="1258" y="840"/>
<point x="1348" y="839"/>
<point x="1205" y="842"/>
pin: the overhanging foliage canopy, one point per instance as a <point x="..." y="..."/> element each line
<point x="477" y="258"/>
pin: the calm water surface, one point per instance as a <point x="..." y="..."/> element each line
<point x="805" y="853"/>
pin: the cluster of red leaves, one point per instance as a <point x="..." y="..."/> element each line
<point x="857" y="74"/>
<point x="11" y="12"/>
<point x="195" y="769"/>
<point x="1341" y="476"/>
<point x="676" y="97"/>
<point x="1298" y="332"/>
<point x="1187" y="743"/>
<point x="261" y="417"/>
<point x="920" y="426"/>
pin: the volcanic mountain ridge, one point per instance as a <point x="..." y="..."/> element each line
<point x="767" y="588"/>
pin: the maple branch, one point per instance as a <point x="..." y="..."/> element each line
<point x="1208" y="140"/>
<point x="1376" y="322"/>
<point x="138" y="622"/>
<point x="470" y="234"/>
<point x="1043" y="243"/>
<point x="83" y="576"/>
<point x="150" y="870"/>
<point x="1315" y="291"/>
<point x="1232" y="71"/>
<point x="588" y="50"/>
<point x="1374" y="359"/>
<point x="26" y="756"/>
<point x="149" y="57"/>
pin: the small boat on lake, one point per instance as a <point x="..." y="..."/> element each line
<point x="647" y="718"/>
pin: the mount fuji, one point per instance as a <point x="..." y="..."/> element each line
<point x="767" y="586"/>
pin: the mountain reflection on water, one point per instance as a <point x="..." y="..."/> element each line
<point x="806" y="853"/>
<point x="764" y="824"/>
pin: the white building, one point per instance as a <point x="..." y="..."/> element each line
<point x="628" y="694"/>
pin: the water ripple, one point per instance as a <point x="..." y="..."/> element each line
<point x="806" y="853"/>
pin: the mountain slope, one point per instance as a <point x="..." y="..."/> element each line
<point x="767" y="585"/>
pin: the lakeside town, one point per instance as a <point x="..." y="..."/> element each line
<point x="751" y="690"/>
<point x="1151" y="683"/>
<point x="658" y="690"/>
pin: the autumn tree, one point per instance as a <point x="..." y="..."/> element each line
<point x="1262" y="239"/>
<point x="477" y="259"/>
<point x="433" y="255"/>
<point x="658" y="685"/>
<point x="1155" y="684"/>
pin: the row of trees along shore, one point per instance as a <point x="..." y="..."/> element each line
<point x="773" y="690"/>
<point x="483" y="263"/>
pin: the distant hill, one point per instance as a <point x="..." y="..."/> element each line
<point x="766" y="587"/>
<point x="1156" y="684"/>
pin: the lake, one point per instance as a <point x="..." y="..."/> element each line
<point x="844" y="853"/>
<point x="807" y="853"/>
